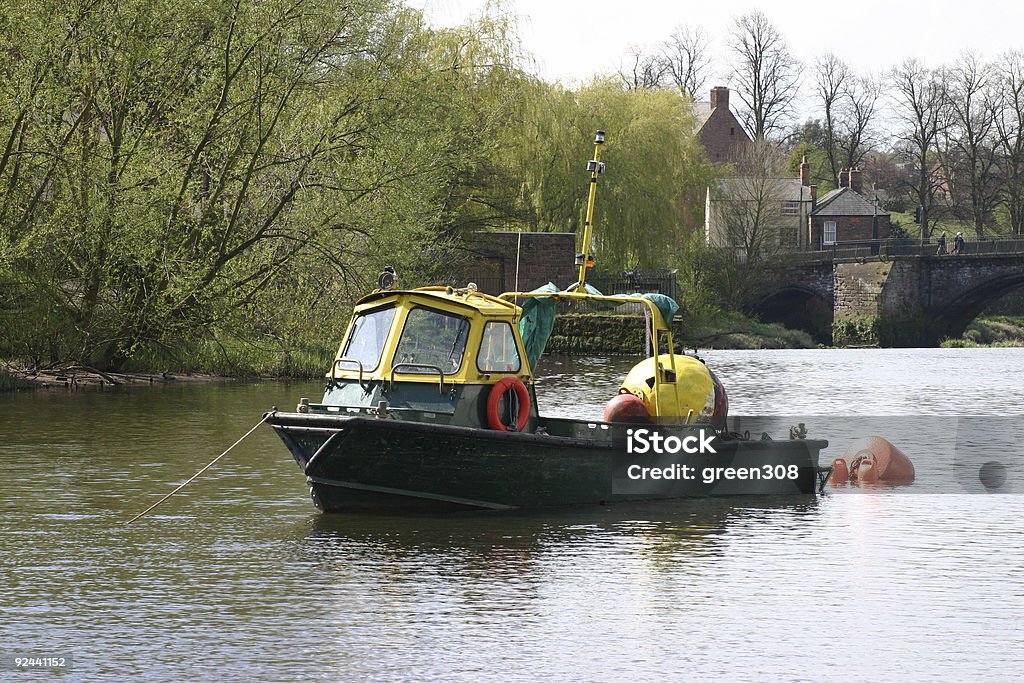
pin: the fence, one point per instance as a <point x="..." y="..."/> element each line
<point x="909" y="247"/>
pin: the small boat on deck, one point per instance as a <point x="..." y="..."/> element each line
<point x="430" y="404"/>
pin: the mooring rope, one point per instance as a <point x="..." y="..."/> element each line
<point x="208" y="466"/>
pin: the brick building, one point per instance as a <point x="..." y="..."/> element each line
<point x="845" y="214"/>
<point x="718" y="129"/>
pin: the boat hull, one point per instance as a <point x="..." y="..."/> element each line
<point x="370" y="464"/>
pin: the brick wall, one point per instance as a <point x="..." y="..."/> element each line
<point x="849" y="228"/>
<point x="722" y="136"/>
<point x="542" y="257"/>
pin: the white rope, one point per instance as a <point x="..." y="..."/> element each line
<point x="208" y="466"/>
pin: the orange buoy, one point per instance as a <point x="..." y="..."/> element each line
<point x="874" y="458"/>
<point x="627" y="408"/>
<point x="840" y="472"/>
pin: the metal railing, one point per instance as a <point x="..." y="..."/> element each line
<point x="659" y="281"/>
<point x="999" y="244"/>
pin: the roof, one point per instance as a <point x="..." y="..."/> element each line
<point x="783" y="189"/>
<point x="478" y="301"/>
<point x="702" y="112"/>
<point x="844" y="201"/>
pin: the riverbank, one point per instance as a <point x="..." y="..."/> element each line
<point x="596" y="333"/>
<point x="990" y="331"/>
<point x="70" y="376"/>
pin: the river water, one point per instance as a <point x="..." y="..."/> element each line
<point x="239" y="577"/>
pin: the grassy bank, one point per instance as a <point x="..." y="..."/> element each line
<point x="207" y="360"/>
<point x="1000" y="330"/>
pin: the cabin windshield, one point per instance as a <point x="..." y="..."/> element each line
<point x="366" y="340"/>
<point x="432" y="340"/>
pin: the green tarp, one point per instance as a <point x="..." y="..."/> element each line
<point x="537" y="321"/>
<point x="539" y="316"/>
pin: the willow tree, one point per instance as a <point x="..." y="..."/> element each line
<point x="657" y="173"/>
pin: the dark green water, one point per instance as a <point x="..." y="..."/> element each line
<point x="240" y="578"/>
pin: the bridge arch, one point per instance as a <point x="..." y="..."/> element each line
<point x="798" y="307"/>
<point x="955" y="315"/>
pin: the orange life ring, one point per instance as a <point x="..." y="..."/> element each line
<point x="499" y="390"/>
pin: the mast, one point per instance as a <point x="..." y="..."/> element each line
<point x="585" y="259"/>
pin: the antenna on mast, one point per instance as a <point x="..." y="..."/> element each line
<point x="585" y="259"/>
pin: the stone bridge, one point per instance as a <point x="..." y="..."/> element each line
<point x="887" y="300"/>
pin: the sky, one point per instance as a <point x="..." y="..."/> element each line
<point x="572" y="40"/>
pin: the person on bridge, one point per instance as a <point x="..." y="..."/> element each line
<point x="942" y="244"/>
<point x="958" y="243"/>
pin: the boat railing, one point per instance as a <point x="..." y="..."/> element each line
<point x="339" y="361"/>
<point x="440" y="373"/>
<point x="658" y="324"/>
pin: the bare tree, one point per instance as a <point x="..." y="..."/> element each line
<point x="831" y="76"/>
<point x="765" y="74"/>
<point x="642" y="70"/>
<point x="861" y="98"/>
<point x="747" y="222"/>
<point x="970" y="162"/>
<point x="687" y="60"/>
<point x="1010" y="128"/>
<point x="848" y="104"/>
<point x="920" y="100"/>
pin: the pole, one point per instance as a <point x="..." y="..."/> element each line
<point x="583" y="260"/>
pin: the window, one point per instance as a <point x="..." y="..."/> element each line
<point x="498" y="352"/>
<point x="366" y="339"/>
<point x="829" y="234"/>
<point x="791" y="208"/>
<point x="732" y="131"/>
<point x="432" y="338"/>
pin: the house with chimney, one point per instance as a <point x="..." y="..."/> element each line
<point x="846" y="214"/>
<point x="765" y="214"/>
<point x="718" y="129"/>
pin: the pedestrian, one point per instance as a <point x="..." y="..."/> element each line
<point x="942" y="244"/>
<point x="958" y="243"/>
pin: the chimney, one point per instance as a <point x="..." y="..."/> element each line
<point x="814" y="197"/>
<point x="805" y="172"/>
<point x="720" y="97"/>
<point x="844" y="178"/>
<point x="855" y="183"/>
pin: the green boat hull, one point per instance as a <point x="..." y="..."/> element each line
<point x="359" y="463"/>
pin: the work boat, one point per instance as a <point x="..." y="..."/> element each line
<point x="430" y="404"/>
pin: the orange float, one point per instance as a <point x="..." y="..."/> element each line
<point x="840" y="472"/>
<point x="874" y="458"/>
<point x="627" y="408"/>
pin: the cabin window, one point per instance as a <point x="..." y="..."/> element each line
<point x="432" y="339"/>
<point x="829" y="234"/>
<point x="366" y="340"/>
<point x="498" y="352"/>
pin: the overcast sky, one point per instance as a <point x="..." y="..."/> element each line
<point x="573" y="40"/>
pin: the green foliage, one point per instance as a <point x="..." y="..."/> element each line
<point x="821" y="175"/>
<point x="856" y="331"/>
<point x="178" y="177"/>
<point x="652" y="193"/>
<point x="896" y="230"/>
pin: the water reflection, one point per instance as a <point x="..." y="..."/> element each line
<point x="239" y="578"/>
<point x="518" y="540"/>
